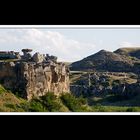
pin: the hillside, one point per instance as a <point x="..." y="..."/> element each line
<point x="10" y="102"/>
<point x="67" y="103"/>
<point x="134" y="52"/>
<point x="105" y="61"/>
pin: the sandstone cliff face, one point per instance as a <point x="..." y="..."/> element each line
<point x="34" y="79"/>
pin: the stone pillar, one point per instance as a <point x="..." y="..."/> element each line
<point x="26" y="53"/>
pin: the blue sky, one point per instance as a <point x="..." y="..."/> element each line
<point x="68" y="44"/>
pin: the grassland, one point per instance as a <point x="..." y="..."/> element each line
<point x="115" y="103"/>
<point x="10" y="102"/>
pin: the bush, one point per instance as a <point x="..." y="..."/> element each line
<point x="37" y="107"/>
<point x="51" y="102"/>
<point x="132" y="109"/>
<point x="33" y="106"/>
<point x="73" y="103"/>
<point x="82" y="100"/>
<point x="46" y="103"/>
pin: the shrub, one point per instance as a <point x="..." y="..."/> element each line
<point x="51" y="102"/>
<point x="36" y="107"/>
<point x="48" y="102"/>
<point x="132" y="109"/>
<point x="33" y="106"/>
<point x="73" y="103"/>
<point x="82" y="100"/>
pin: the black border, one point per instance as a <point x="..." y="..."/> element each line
<point x="71" y="124"/>
<point x="75" y="19"/>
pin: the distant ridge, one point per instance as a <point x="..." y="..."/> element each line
<point x="108" y="61"/>
<point x="134" y="52"/>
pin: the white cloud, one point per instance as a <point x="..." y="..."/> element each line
<point x="126" y="44"/>
<point x="44" y="41"/>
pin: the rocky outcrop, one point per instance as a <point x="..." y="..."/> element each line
<point x="26" y="54"/>
<point x="103" y="83"/>
<point x="31" y="78"/>
<point x="128" y="90"/>
<point x="9" y="55"/>
<point x="38" y="58"/>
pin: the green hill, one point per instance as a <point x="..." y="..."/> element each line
<point x="134" y="52"/>
<point x="104" y="61"/>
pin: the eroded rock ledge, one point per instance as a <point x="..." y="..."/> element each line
<point x="35" y="75"/>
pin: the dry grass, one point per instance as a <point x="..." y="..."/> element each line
<point x="122" y="78"/>
<point x="130" y="49"/>
<point x="9" y="102"/>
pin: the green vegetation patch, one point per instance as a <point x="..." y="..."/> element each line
<point x="2" y="89"/>
<point x="75" y="104"/>
<point x="46" y="103"/>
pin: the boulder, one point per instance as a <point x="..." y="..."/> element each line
<point x="38" y="58"/>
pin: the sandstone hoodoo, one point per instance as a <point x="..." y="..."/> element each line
<point x="26" y="54"/>
<point x="34" y="75"/>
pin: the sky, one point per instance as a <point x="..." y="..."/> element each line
<point x="68" y="44"/>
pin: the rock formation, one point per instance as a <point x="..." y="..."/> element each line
<point x="9" y="55"/>
<point x="122" y="89"/>
<point x="38" y="58"/>
<point x="103" y="83"/>
<point x="26" y="54"/>
<point x="35" y="77"/>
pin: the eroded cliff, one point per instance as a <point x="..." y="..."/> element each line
<point x="34" y="78"/>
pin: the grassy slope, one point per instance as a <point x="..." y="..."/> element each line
<point x="49" y="103"/>
<point x="128" y="50"/>
<point x="133" y="53"/>
<point x="10" y="102"/>
<point x="67" y="103"/>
